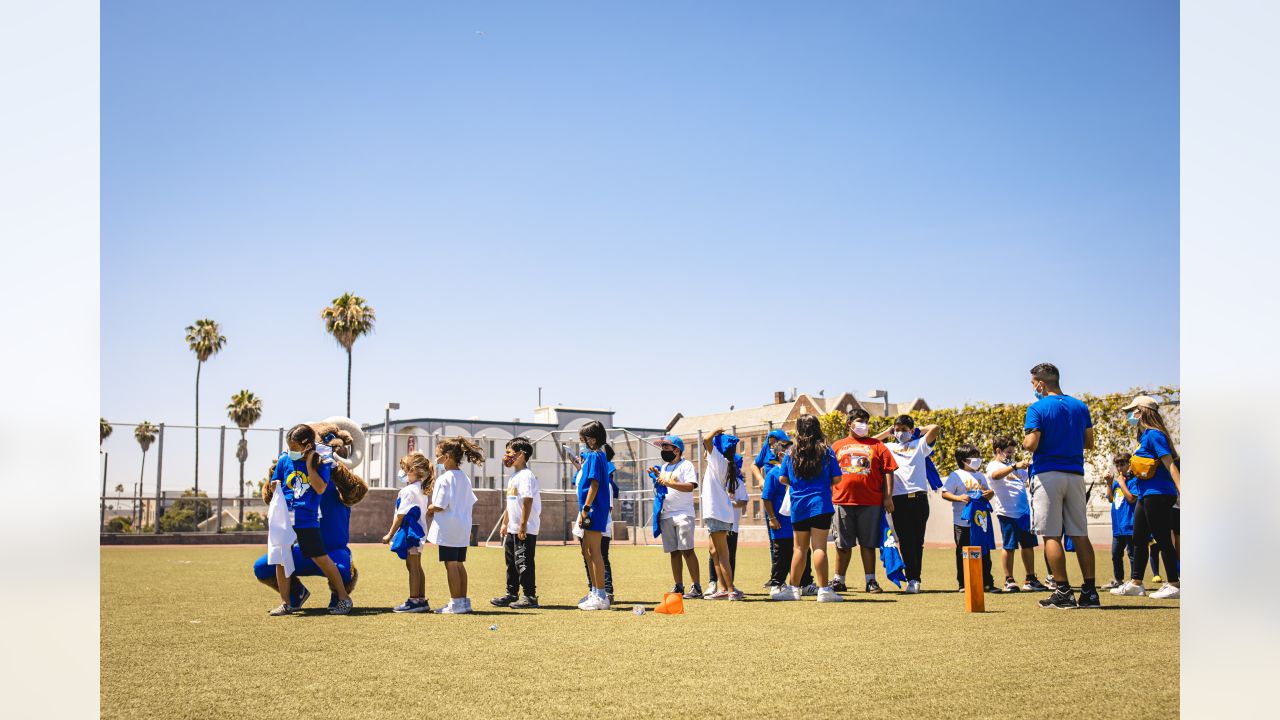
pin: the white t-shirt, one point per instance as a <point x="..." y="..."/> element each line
<point x="410" y="496"/>
<point x="678" y="502"/>
<point x="715" y="496"/>
<point x="524" y="484"/>
<point x="574" y="529"/>
<point x="739" y="495"/>
<point x="1011" y="498"/>
<point x="911" y="475"/>
<point x="960" y="482"/>
<point x="452" y="526"/>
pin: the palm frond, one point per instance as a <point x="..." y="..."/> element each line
<point x="245" y="409"/>
<point x="348" y="318"/>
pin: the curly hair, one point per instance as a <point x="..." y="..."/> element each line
<point x="416" y="462"/>
<point x="460" y="446"/>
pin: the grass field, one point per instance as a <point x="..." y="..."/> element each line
<point x="185" y="634"/>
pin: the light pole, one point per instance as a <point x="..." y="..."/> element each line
<point x="387" y="450"/>
<point x="882" y="394"/>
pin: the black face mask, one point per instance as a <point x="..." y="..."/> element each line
<point x="668" y="456"/>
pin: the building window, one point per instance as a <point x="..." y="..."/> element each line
<point x="492" y="449"/>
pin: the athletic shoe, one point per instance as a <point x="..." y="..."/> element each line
<point x="343" y="607"/>
<point x="282" y="609"/>
<point x="1156" y="579"/>
<point x="412" y="606"/>
<point x="1034" y="585"/>
<point x="826" y="594"/>
<point x="527" y="602"/>
<point x="333" y="600"/>
<point x="960" y="589"/>
<point x="1088" y="599"/>
<point x="466" y="604"/>
<point x="873" y="587"/>
<point x="504" y="601"/>
<point x="1011" y="586"/>
<point x="809" y="590"/>
<point x="913" y="587"/>
<point x="1168" y="592"/>
<point x="711" y="590"/>
<point x="302" y="598"/>
<point x="679" y="588"/>
<point x="1111" y="585"/>
<point x="695" y="592"/>
<point x="1060" y="599"/>
<point x="784" y="592"/>
<point x="737" y="595"/>
<point x="1130" y="588"/>
<point x="770" y="585"/>
<point x="610" y="598"/>
<point x="1050" y="583"/>
<point x="718" y="595"/>
<point x="594" y="603"/>
<point x="453" y="607"/>
<point x="991" y="590"/>
<point x="839" y="585"/>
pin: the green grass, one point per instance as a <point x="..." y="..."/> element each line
<point x="185" y="634"/>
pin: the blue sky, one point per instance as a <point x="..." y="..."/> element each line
<point x="653" y="207"/>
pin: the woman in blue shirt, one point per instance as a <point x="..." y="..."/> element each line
<point x="1155" y="466"/>
<point x="809" y="471"/>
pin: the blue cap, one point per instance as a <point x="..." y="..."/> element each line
<point x="672" y="440"/>
<point x="723" y="442"/>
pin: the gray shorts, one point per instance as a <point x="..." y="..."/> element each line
<point x="857" y="525"/>
<point x="1058" y="505"/>
<point x="677" y="533"/>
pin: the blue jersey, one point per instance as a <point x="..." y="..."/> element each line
<point x="1062" y="421"/>
<point x="1121" y="509"/>
<point x="1154" y="445"/>
<point x="302" y="499"/>
<point x="774" y="491"/>
<point x="811" y="496"/>
<point x="595" y="467"/>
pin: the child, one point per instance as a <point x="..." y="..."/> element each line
<point x="406" y="535"/>
<point x="781" y="536"/>
<point x="1122" y="489"/>
<point x="809" y="471"/>
<point x="593" y="510"/>
<point x="963" y="480"/>
<point x="450" y="511"/>
<point x="676" y="520"/>
<point x="303" y="478"/>
<point x="606" y="535"/>
<point x="719" y="485"/>
<point x="519" y="526"/>
<point x="1012" y="506"/>
<point x="862" y="497"/>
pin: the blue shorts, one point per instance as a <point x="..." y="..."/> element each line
<point x="1015" y="537"/>
<point x="306" y="566"/>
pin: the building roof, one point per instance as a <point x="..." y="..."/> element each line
<point x="785" y="412"/>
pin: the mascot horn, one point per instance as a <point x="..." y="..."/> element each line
<point x="347" y="440"/>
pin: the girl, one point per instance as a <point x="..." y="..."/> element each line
<point x="809" y="471"/>
<point x="406" y="534"/>
<point x="606" y="534"/>
<point x="1155" y="465"/>
<point x="719" y="485"/>
<point x="1122" y="493"/>
<point x="304" y="478"/>
<point x="450" y="510"/>
<point x="593" y="510"/>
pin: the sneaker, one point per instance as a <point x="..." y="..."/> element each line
<point x="991" y="590"/>
<point x="609" y="596"/>
<point x="913" y="587"/>
<point x="809" y="590"/>
<point x="960" y="589"/>
<point x="718" y="595"/>
<point x="1050" y="583"/>
<point x="838" y="585"/>
<point x="711" y="590"/>
<point x="1131" y="588"/>
<point x="1062" y="600"/>
<point x="302" y="598"/>
<point x="1168" y="592"/>
<point x="737" y="595"/>
<point x="504" y="601"/>
<point x="695" y="592"/>
<point x="342" y="607"/>
<point x="769" y="585"/>
<point x="282" y="609"/>
<point x="784" y="592"/>
<point x="1034" y="585"/>
<point x="1156" y="579"/>
<point x="412" y="606"/>
<point x="466" y="606"/>
<point x="1111" y="585"/>
<point x="826" y="594"/>
<point x="593" y="602"/>
<point x="453" y="607"/>
<point x="679" y="588"/>
<point x="1011" y="586"/>
<point x="873" y="587"/>
<point x="527" y="602"/>
<point x="1088" y="599"/>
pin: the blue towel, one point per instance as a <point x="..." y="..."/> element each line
<point x="930" y="470"/>
<point x="659" y="496"/>
<point x="766" y="454"/>
<point x="890" y="555"/>
<point x="977" y="512"/>
<point x="410" y="535"/>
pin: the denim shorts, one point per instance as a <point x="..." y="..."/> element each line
<point x="714" y="525"/>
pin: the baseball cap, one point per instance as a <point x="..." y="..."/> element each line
<point x="1142" y="401"/>
<point x="671" y="440"/>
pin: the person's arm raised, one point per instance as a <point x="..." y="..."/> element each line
<point x="931" y="433"/>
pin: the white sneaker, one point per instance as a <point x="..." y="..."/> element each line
<point x="711" y="590"/>
<point x="594" y="602"/>
<point x="826" y="594"/>
<point x="466" y="606"/>
<point x="603" y="601"/>
<point x="809" y="590"/>
<point x="913" y="587"/>
<point x="584" y="598"/>
<point x="1130" y="588"/>
<point x="450" y="608"/>
<point x="1168" y="592"/>
<point x="784" y="592"/>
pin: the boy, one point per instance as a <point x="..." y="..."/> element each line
<point x="1122" y="489"/>
<point x="964" y="479"/>
<point x="864" y="490"/>
<point x="519" y="527"/>
<point x="911" y="486"/>
<point x="676" y="523"/>
<point x="1012" y="505"/>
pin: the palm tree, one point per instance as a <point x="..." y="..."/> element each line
<point x="346" y="320"/>
<point x="205" y="339"/>
<point x="104" y="429"/>
<point x="119" y="492"/>
<point x="145" y="434"/>
<point x="244" y="410"/>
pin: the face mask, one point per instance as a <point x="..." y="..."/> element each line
<point x="904" y="436"/>
<point x="583" y="449"/>
<point x="440" y="469"/>
<point x="860" y="429"/>
<point x="508" y="462"/>
<point x="403" y="477"/>
<point x="668" y="456"/>
<point x="973" y="463"/>
<point x="1039" y="394"/>
<point x="1133" y="419"/>
<point x="295" y="455"/>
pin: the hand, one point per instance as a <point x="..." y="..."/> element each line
<point x="774" y="524"/>
<point x="987" y="495"/>
<point x="1109" y="476"/>
<point x="386" y="539"/>
<point x="1022" y="464"/>
<point x="888" y="504"/>
<point x="522" y="534"/>
<point x="717" y="431"/>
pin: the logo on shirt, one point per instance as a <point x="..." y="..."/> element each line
<point x="854" y="460"/>
<point x="297" y="483"/>
<point x="981" y="520"/>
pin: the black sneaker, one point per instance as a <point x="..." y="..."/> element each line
<point x="695" y="592"/>
<point x="991" y="590"/>
<point x="1034" y="585"/>
<point x="839" y="586"/>
<point x="1088" y="599"/>
<point x="1011" y="586"/>
<point x="524" y="603"/>
<point x="770" y="585"/>
<point x="504" y="601"/>
<point x="873" y="587"/>
<point x="1060" y="599"/>
<point x="679" y="588"/>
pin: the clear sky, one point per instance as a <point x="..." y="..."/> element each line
<point x="652" y="207"/>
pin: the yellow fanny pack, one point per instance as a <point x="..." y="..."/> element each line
<point x="1143" y="468"/>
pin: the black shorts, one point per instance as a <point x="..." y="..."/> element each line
<point x="818" y="522"/>
<point x="453" y="554"/>
<point x="857" y="525"/>
<point x="310" y="542"/>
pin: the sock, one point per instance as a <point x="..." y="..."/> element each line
<point x="1064" y="586"/>
<point x="1008" y="579"/>
<point x="1087" y="585"/>
<point x="837" y="578"/>
<point x="869" y="577"/>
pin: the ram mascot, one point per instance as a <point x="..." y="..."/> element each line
<point x="345" y="490"/>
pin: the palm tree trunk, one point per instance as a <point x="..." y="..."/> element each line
<point x="348" y="382"/>
<point x="197" y="473"/>
<point x="241" y="503"/>
<point x="142" y="476"/>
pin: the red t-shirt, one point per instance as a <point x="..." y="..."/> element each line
<point x="863" y="462"/>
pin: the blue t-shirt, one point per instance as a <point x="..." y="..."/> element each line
<point x="811" y="496"/>
<point x="1121" y="509"/>
<point x="1061" y="420"/>
<point x="774" y="491"/>
<point x="302" y="499"/>
<point x="595" y="467"/>
<point x="1153" y="444"/>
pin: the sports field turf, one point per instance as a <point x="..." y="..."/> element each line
<point x="185" y="634"/>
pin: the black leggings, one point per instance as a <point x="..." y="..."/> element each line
<point x="1121" y="545"/>
<point x="910" y="514"/>
<point x="782" y="550"/>
<point x="1154" y="517"/>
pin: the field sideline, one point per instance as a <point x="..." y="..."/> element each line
<point x="185" y="634"/>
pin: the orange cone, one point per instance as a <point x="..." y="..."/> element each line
<point x="672" y="604"/>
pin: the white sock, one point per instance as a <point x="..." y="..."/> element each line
<point x="837" y="578"/>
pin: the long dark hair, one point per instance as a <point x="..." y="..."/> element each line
<point x="811" y="447"/>
<point x="1149" y="419"/>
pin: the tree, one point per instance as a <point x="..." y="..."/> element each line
<point x="187" y="512"/>
<point x="104" y="430"/>
<point x="347" y="319"/>
<point x="145" y="434"/>
<point x="244" y="410"/>
<point x="120" y="524"/>
<point x="119" y="492"/>
<point x="205" y="339"/>
<point x="253" y="521"/>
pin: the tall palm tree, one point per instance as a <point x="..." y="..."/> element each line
<point x="346" y="319"/>
<point x="205" y="339"/>
<point x="145" y="434"/>
<point x="244" y="410"/>
<point x="104" y="430"/>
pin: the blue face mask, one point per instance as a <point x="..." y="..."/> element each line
<point x="583" y="449"/>
<point x="440" y="469"/>
<point x="1039" y="395"/>
<point x="295" y="455"/>
<point x="403" y="477"/>
<point x="1133" y="419"/>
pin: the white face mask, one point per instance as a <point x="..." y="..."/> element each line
<point x="973" y="464"/>
<point x="860" y="429"/>
<point x="403" y="477"/>
<point x="904" y="436"/>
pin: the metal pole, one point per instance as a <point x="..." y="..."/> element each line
<point x="280" y="442"/>
<point x="222" y="452"/>
<point x="886" y="403"/>
<point x="102" y="520"/>
<point x="155" y="516"/>
<point x="386" y="446"/>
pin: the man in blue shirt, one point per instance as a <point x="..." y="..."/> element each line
<point x="1057" y="431"/>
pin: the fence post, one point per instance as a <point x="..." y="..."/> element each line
<point x="155" y="516"/>
<point x="222" y="456"/>
<point x="102" y="519"/>
<point x="280" y="442"/>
